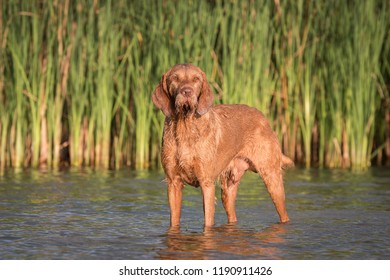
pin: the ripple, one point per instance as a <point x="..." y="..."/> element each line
<point x="122" y="215"/>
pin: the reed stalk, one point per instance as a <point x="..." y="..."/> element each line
<point x="76" y="77"/>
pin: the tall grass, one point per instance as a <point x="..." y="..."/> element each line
<point x="76" y="77"/>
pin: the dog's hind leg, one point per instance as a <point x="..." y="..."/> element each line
<point x="230" y="181"/>
<point x="274" y="182"/>
<point x="228" y="195"/>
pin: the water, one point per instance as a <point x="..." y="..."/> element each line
<point x="124" y="215"/>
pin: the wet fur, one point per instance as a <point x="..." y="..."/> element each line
<point x="203" y="143"/>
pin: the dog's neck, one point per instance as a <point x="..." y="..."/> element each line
<point x="187" y="124"/>
<point x="191" y="126"/>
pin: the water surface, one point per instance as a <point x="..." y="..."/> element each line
<point x="124" y="215"/>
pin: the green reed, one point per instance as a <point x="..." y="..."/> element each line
<point x="354" y="57"/>
<point x="76" y="77"/>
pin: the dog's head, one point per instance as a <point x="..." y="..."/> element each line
<point x="182" y="91"/>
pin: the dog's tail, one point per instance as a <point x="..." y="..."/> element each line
<point x="286" y="162"/>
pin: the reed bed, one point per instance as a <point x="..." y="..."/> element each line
<point x="76" y="77"/>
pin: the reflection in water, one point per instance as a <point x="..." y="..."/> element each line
<point x="124" y="215"/>
<point x="226" y="241"/>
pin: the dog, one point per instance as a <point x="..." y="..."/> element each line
<point x="203" y="143"/>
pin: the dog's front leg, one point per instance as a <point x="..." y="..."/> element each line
<point x="208" y="191"/>
<point x="175" y="190"/>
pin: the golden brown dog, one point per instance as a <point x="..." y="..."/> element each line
<point x="203" y="143"/>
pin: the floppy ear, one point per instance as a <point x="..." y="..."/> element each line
<point x="206" y="98"/>
<point x="161" y="98"/>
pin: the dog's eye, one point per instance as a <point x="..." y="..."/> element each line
<point x="196" y="79"/>
<point x="174" y="78"/>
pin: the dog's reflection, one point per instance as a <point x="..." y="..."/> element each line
<point x="224" y="242"/>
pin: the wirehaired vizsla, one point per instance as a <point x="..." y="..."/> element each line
<point x="203" y="143"/>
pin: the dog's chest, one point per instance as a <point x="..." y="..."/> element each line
<point x="194" y="147"/>
<point x="190" y="148"/>
<point x="187" y="159"/>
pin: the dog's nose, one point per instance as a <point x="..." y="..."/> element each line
<point x="186" y="91"/>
